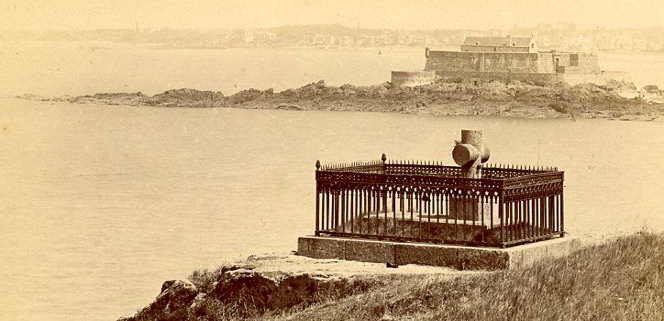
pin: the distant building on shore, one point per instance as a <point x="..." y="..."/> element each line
<point x="509" y="58"/>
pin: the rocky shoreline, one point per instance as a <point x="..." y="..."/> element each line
<point x="441" y="98"/>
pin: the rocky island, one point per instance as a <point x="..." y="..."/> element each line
<point x="616" y="100"/>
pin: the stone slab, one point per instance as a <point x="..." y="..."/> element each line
<point x="369" y="251"/>
<point x="426" y="254"/>
<point x="470" y="258"/>
<point x="454" y="256"/>
<point x="527" y="254"/>
<point x="321" y="248"/>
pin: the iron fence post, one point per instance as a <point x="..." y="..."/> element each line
<point x="317" y="231"/>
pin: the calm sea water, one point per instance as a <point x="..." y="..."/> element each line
<point x="76" y="68"/>
<point x="100" y="204"/>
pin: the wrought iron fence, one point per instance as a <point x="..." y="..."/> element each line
<point x="430" y="202"/>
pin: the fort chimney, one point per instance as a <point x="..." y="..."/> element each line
<point x="509" y="40"/>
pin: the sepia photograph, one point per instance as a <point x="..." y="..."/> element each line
<point x="211" y="160"/>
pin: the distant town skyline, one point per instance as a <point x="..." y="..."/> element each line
<point x="389" y="14"/>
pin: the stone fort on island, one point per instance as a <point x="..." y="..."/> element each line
<point x="504" y="59"/>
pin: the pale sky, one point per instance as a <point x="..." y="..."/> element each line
<point x="407" y="14"/>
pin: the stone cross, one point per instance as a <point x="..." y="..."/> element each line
<point x="470" y="153"/>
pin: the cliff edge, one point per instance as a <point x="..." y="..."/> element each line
<point x="273" y="284"/>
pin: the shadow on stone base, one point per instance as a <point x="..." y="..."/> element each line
<point x="454" y="256"/>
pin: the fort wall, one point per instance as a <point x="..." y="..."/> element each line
<point x="413" y="78"/>
<point x="504" y="77"/>
<point x="578" y="62"/>
<point x="493" y="49"/>
<point x="534" y="67"/>
<point x="545" y="62"/>
<point x="521" y="62"/>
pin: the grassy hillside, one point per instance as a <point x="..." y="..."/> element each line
<point x="619" y="280"/>
<point x="622" y="279"/>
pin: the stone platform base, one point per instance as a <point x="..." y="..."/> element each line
<point x="459" y="257"/>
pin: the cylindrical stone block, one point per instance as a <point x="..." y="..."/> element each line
<point x="485" y="153"/>
<point x="473" y="137"/>
<point x="464" y="154"/>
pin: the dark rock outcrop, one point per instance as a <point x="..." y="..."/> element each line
<point x="242" y="293"/>
<point x="255" y="290"/>
<point x="441" y="98"/>
<point x="187" y="98"/>
<point x="171" y="303"/>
